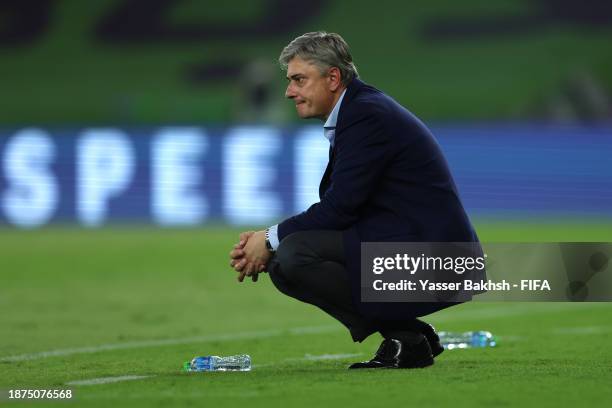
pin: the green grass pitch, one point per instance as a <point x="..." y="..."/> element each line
<point x="81" y="305"/>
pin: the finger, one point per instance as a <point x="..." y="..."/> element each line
<point x="255" y="277"/>
<point x="241" y="277"/>
<point x="242" y="237"/>
<point x="236" y="253"/>
<point x="249" y="269"/>
<point x="240" y="265"/>
<point x="254" y="269"/>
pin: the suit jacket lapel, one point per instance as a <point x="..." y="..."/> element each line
<point x="351" y="90"/>
<point x="326" y="179"/>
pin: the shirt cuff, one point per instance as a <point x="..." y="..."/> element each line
<point x="273" y="236"/>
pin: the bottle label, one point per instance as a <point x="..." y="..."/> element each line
<point x="203" y="363"/>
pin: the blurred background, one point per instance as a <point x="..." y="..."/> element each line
<point x="171" y="112"/>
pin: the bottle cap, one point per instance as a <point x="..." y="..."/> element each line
<point x="493" y="342"/>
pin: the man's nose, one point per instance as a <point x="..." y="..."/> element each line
<point x="289" y="92"/>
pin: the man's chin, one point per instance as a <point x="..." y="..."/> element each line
<point x="307" y="115"/>
<point x="302" y="115"/>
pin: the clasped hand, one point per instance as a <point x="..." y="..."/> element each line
<point x="250" y="255"/>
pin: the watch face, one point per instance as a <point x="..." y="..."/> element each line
<point x="269" y="245"/>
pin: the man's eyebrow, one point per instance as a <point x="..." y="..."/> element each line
<point x="295" y="76"/>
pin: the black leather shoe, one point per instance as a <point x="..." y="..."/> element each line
<point x="432" y="337"/>
<point x="394" y="353"/>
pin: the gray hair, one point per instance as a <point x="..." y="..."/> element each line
<point x="325" y="50"/>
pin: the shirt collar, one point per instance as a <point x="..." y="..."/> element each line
<point x="330" y="123"/>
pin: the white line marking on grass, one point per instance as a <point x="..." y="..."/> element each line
<point x="108" y="380"/>
<point x="582" y="330"/>
<point x="509" y="338"/>
<point x="495" y="311"/>
<point x="171" y="342"/>
<point x="310" y="357"/>
<point x="307" y="357"/>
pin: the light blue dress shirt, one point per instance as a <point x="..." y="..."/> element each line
<point x="329" y="131"/>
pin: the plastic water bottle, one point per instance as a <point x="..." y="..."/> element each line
<point x="471" y="339"/>
<point x="241" y="362"/>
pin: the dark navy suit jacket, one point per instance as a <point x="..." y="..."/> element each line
<point x="386" y="180"/>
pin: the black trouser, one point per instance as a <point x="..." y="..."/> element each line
<point x="310" y="266"/>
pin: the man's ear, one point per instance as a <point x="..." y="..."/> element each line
<point x="335" y="78"/>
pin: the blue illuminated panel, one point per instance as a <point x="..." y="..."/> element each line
<point x="246" y="175"/>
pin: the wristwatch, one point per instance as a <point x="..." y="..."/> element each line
<point x="268" y="244"/>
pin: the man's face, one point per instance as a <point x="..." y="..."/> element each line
<point x="312" y="92"/>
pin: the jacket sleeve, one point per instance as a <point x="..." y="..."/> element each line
<point x="361" y="152"/>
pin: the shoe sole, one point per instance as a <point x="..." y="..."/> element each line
<point x="437" y="349"/>
<point x="420" y="364"/>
